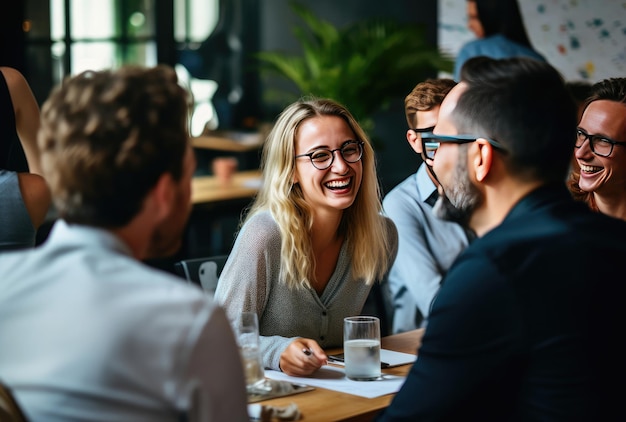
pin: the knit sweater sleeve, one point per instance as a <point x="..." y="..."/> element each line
<point x="251" y="271"/>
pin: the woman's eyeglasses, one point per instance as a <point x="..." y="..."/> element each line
<point x="323" y="158"/>
<point x="599" y="145"/>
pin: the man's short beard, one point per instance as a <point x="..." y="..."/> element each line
<point x="458" y="202"/>
<point x="167" y="237"/>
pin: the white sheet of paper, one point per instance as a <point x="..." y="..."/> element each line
<point x="334" y="378"/>
<point x="392" y="358"/>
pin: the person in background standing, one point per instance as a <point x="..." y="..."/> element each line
<point x="24" y="194"/>
<point x="500" y="30"/>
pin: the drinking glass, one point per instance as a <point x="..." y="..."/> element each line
<point x="361" y="347"/>
<point x="247" y="332"/>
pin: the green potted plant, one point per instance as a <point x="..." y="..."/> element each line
<point x="363" y="65"/>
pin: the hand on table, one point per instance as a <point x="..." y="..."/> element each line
<point x="295" y="361"/>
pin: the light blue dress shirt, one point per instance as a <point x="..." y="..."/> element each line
<point x="88" y="333"/>
<point x="427" y="247"/>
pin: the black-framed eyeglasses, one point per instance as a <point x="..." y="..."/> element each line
<point x="431" y="142"/>
<point x="600" y="145"/>
<point x="351" y="152"/>
<point x="423" y="129"/>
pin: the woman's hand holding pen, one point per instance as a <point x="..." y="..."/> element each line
<point x="302" y="357"/>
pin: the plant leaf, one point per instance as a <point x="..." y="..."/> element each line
<point x="363" y="65"/>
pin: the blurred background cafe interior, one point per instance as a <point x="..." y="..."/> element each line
<point x="224" y="51"/>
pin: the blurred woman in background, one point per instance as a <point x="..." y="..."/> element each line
<point x="24" y="196"/>
<point x="500" y="30"/>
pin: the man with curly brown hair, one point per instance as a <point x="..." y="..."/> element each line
<point x="87" y="331"/>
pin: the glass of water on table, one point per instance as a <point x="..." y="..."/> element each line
<point x="361" y="347"/>
<point x="247" y="332"/>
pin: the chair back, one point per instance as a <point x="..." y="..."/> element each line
<point x="380" y="304"/>
<point x="202" y="271"/>
<point x="9" y="409"/>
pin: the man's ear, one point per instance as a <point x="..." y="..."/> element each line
<point x="482" y="158"/>
<point x="414" y="141"/>
<point x="162" y="196"/>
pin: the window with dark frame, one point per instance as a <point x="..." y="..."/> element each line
<point x="66" y="37"/>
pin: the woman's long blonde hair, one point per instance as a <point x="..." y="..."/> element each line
<point x="365" y="230"/>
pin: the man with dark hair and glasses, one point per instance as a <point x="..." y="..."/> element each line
<point x="600" y="150"/>
<point x="427" y="245"/>
<point x="527" y="324"/>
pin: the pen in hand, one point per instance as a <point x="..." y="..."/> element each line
<point x="308" y="353"/>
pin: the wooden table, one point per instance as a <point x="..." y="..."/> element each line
<point x="327" y="405"/>
<point x="229" y="141"/>
<point x="207" y="189"/>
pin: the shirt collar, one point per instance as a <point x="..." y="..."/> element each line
<point x="77" y="235"/>
<point x="425" y="185"/>
<point x="544" y="195"/>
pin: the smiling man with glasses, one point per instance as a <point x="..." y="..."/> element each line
<point x="527" y="324"/>
<point x="600" y="150"/>
<point x="427" y="245"/>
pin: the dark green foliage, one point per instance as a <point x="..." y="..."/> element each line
<point x="363" y="65"/>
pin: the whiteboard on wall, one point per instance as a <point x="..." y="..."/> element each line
<point x="583" y="39"/>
